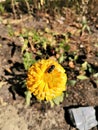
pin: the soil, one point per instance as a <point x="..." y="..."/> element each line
<point x="14" y="114"/>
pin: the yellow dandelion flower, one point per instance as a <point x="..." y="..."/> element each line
<point x="46" y="79"/>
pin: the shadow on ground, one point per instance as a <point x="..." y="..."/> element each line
<point x="16" y="78"/>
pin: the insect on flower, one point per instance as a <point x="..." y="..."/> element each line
<point x="45" y="83"/>
<point x="51" y="68"/>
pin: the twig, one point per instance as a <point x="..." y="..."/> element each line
<point x="13" y="8"/>
<point x="28" y="6"/>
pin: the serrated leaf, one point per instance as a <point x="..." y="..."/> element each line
<point x="58" y="99"/>
<point x="28" y="60"/>
<point x="28" y="97"/>
<point x="82" y="77"/>
<point x="71" y="82"/>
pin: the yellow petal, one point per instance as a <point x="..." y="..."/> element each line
<point x="44" y="84"/>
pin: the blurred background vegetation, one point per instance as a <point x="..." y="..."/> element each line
<point x="18" y="7"/>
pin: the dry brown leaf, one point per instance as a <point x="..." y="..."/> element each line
<point x="71" y="64"/>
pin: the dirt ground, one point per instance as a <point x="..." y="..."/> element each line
<point x="14" y="114"/>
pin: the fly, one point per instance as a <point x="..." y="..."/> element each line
<point x="51" y="68"/>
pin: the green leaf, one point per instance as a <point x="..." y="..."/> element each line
<point x="36" y="37"/>
<point x="61" y="59"/>
<point x="82" y="77"/>
<point x="66" y="94"/>
<point x="71" y="82"/>
<point x="95" y="75"/>
<point x="88" y="29"/>
<point x="58" y="99"/>
<point x="25" y="45"/>
<point x="67" y="48"/>
<point x="76" y="57"/>
<point x="28" y="60"/>
<point x="28" y="97"/>
<point x="10" y="30"/>
<point x="90" y="69"/>
<point x="2" y="9"/>
<point x="51" y="103"/>
<point x="84" y="65"/>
